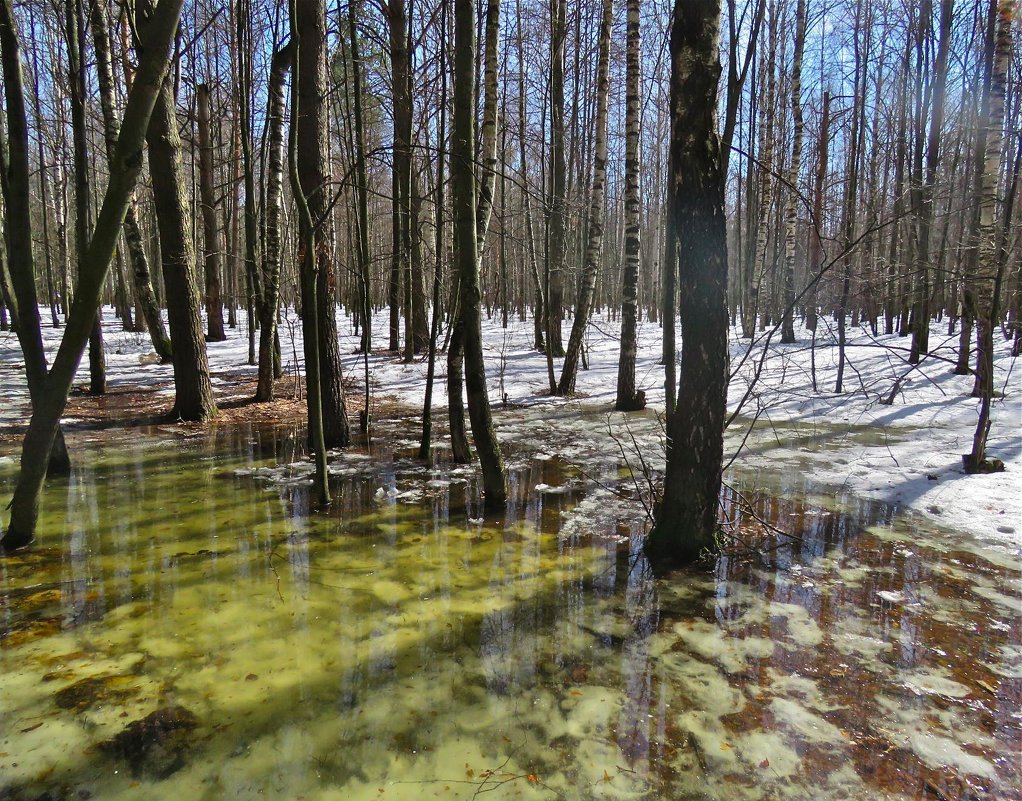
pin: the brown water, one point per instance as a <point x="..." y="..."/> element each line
<point x="185" y="629"/>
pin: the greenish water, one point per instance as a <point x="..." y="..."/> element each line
<point x="185" y="629"/>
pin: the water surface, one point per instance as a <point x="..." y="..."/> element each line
<point x="186" y="629"/>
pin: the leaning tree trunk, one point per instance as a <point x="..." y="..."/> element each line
<point x="157" y="34"/>
<point x="627" y="398"/>
<point x="984" y="283"/>
<point x="686" y="517"/>
<point x="23" y="301"/>
<point x="464" y="206"/>
<point x="594" y="248"/>
<point x="279" y="66"/>
<point x="192" y="385"/>
<point x="144" y="293"/>
<point x="488" y="145"/>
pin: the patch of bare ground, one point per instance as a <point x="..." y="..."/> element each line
<point x="127" y="406"/>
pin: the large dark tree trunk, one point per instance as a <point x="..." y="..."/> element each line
<point x="686" y="518"/>
<point x="194" y="391"/>
<point x="310" y="123"/>
<point x="307" y="22"/>
<point x="463" y="194"/>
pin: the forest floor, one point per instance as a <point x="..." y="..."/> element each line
<point x="906" y="452"/>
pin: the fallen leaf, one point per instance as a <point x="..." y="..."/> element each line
<point x="606" y="776"/>
<point x="765" y="764"/>
<point x="251" y="677"/>
<point x="726" y="746"/>
<point x="533" y="778"/>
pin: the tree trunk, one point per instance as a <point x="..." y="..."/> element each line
<point x="627" y="398"/>
<point x="397" y="22"/>
<point x="74" y="27"/>
<point x="985" y="282"/>
<point x="594" y="248"/>
<point x="686" y="517"/>
<point x="23" y="301"/>
<point x="305" y="162"/>
<point x="791" y="209"/>
<point x="210" y="229"/>
<point x="465" y="236"/>
<point x="440" y="246"/>
<point x="312" y="170"/>
<point x="766" y="179"/>
<point x="144" y="292"/>
<point x="279" y="66"/>
<point x="244" y="88"/>
<point x="557" y="247"/>
<point x="925" y="202"/>
<point x="361" y="186"/>
<point x="194" y="391"/>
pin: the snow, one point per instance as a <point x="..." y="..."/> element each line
<point x="907" y="453"/>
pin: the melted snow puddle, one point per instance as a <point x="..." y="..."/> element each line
<point x="186" y="630"/>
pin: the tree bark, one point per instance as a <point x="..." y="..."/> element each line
<point x="74" y="27"/>
<point x="192" y="385"/>
<point x="791" y="210"/>
<point x="686" y="517"/>
<point x="312" y="171"/>
<point x="557" y="247"/>
<point x="463" y="195"/>
<point x="210" y="229"/>
<point x="766" y="178"/>
<point x="279" y="66"/>
<point x="985" y="280"/>
<point x="627" y="398"/>
<point x="361" y="185"/>
<point x="305" y="167"/>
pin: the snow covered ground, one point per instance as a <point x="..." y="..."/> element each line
<point x="908" y="452"/>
